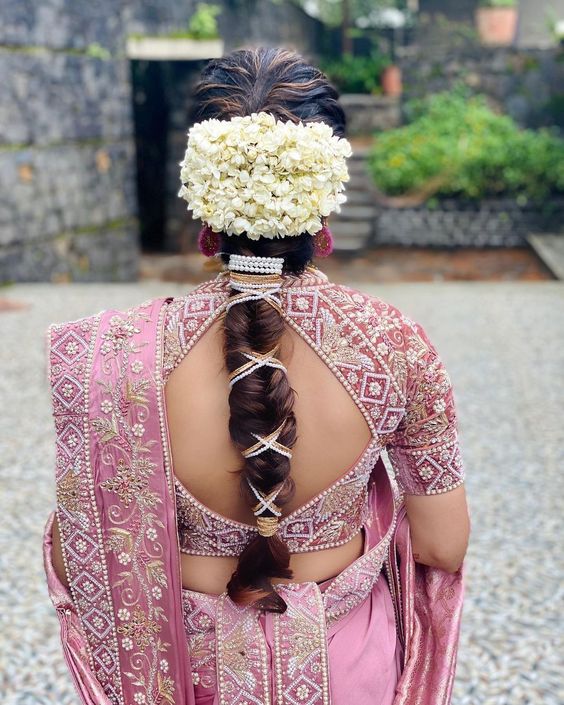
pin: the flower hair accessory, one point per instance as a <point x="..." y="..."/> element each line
<point x="263" y="177"/>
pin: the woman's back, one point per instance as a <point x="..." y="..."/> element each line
<point x="332" y="435"/>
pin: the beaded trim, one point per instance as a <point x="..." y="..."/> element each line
<point x="256" y="361"/>
<point x="269" y="442"/>
<point x="266" y="502"/>
<point x="264" y="285"/>
<point x="260" y="265"/>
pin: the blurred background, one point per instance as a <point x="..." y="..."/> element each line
<point x="455" y="213"/>
<point x="455" y="111"/>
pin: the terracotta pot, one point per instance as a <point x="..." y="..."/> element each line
<point x="391" y="80"/>
<point x="496" y="25"/>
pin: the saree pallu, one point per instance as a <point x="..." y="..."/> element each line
<point x="123" y="618"/>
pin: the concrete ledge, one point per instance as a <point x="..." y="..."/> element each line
<point x="169" y="49"/>
<point x="550" y="248"/>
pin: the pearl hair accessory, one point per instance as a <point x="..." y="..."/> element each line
<point x="255" y="362"/>
<point x="267" y="526"/>
<point x="256" y="265"/>
<point x="256" y="279"/>
<point x="269" y="442"/>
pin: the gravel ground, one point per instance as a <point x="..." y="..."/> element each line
<point x="504" y="347"/>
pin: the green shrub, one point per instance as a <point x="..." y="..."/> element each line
<point x="202" y="24"/>
<point x="457" y="146"/>
<point x="499" y="3"/>
<point x="356" y="74"/>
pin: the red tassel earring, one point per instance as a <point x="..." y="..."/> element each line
<point x="323" y="242"/>
<point x="208" y="241"/>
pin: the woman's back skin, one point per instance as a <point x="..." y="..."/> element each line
<point x="332" y="433"/>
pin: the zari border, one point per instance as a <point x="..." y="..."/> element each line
<point x="241" y="655"/>
<point x="81" y="533"/>
<point x="300" y="647"/>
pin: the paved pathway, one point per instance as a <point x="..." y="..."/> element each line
<point x="504" y="347"/>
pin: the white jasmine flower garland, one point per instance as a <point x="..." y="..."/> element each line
<point x="263" y="177"/>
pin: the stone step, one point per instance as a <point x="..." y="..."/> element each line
<point x="360" y="181"/>
<point x="351" y="235"/>
<point x="357" y="166"/>
<point x="355" y="212"/>
<point x="358" y="197"/>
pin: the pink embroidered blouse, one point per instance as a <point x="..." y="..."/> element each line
<point x="392" y="369"/>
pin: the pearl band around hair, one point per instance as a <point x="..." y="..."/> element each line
<point x="256" y="265"/>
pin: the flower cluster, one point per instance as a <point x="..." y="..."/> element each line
<point x="263" y="177"/>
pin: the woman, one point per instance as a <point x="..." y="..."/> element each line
<point x="226" y="531"/>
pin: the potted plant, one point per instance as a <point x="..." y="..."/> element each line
<point x="200" y="39"/>
<point x="496" y="21"/>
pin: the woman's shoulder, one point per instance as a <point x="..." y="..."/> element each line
<point x="371" y="309"/>
<point x="126" y="312"/>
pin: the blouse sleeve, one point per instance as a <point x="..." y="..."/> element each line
<point x="424" y="450"/>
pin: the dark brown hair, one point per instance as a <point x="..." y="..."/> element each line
<point x="281" y="83"/>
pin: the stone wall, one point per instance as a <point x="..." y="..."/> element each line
<point x="367" y="114"/>
<point x="528" y="84"/>
<point x="68" y="201"/>
<point x="454" y="223"/>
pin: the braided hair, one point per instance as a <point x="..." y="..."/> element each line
<point x="281" y="83"/>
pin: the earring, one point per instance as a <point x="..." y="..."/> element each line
<point x="323" y="242"/>
<point x="208" y="241"/>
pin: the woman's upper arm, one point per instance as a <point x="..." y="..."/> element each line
<point x="425" y="454"/>
<point x="58" y="563"/>
<point x="440" y="528"/>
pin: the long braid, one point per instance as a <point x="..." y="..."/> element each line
<point x="279" y="82"/>
<point x="260" y="403"/>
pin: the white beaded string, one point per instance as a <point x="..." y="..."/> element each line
<point x="266" y="502"/>
<point x="258" y="265"/>
<point x="268" y="443"/>
<point x="259" y="362"/>
<point x="255" y="292"/>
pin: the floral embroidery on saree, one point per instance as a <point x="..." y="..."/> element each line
<point x="123" y="617"/>
<point x="108" y="373"/>
<point x="71" y="350"/>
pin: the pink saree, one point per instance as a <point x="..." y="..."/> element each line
<point x="131" y="634"/>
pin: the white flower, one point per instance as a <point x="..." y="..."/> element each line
<point x="67" y="390"/>
<point x="71" y="348"/>
<point x="139" y="698"/>
<point x="151" y="534"/>
<point x="124" y="614"/>
<point x="127" y="643"/>
<point x="263" y="177"/>
<point x="106" y="406"/>
<point x="157" y="592"/>
<point x="439" y="406"/>
<point x="164" y="665"/>
<point x="426" y="472"/>
<point x="138" y="430"/>
<point x="136" y="366"/>
<point x="124" y="558"/>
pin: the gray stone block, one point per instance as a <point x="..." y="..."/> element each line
<point x="109" y="254"/>
<point x="61" y="97"/>
<point x="65" y="188"/>
<point x="61" y="24"/>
